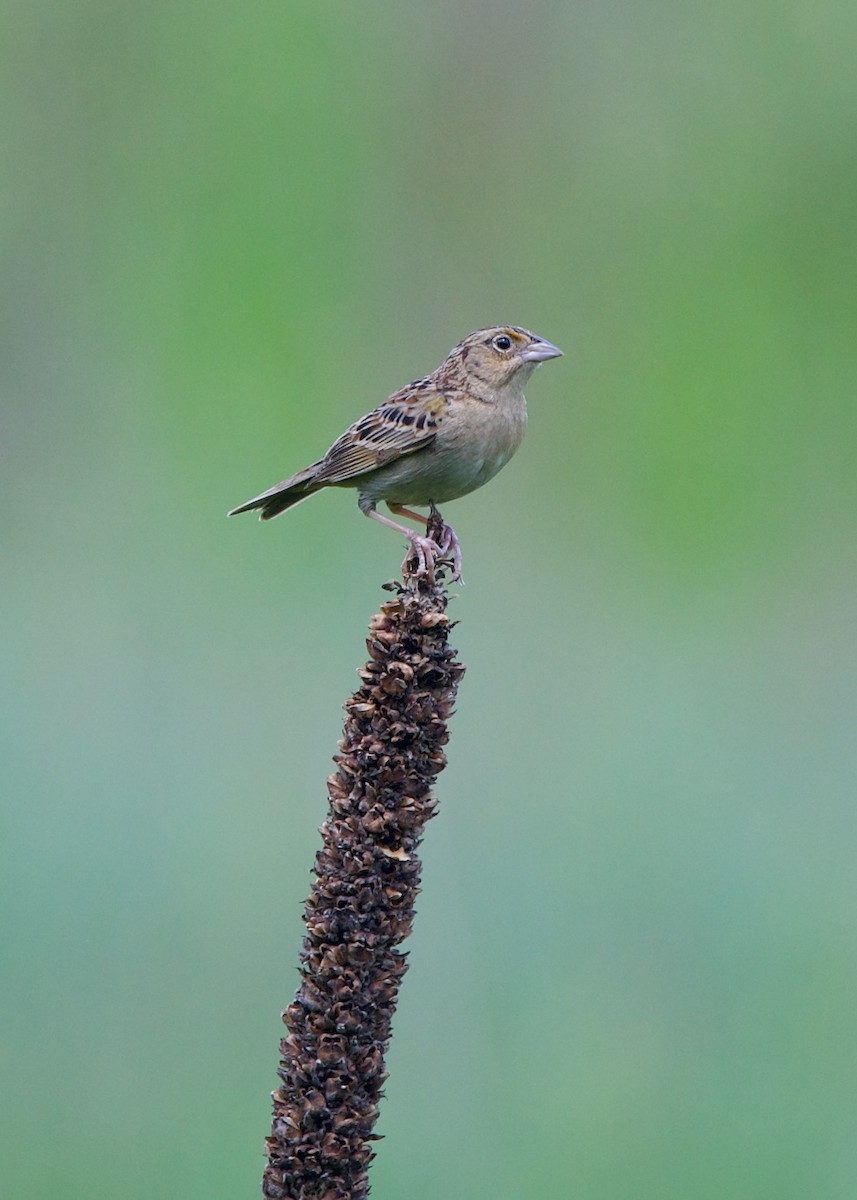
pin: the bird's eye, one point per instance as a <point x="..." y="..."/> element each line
<point x="502" y="342"/>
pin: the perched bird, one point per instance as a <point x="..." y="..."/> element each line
<point x="438" y="438"/>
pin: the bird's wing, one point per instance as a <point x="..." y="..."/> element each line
<point x="408" y="421"/>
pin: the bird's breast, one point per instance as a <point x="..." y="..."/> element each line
<point x="475" y="445"/>
<point x="473" y="442"/>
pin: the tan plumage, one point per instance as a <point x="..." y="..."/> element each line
<point x="435" y="440"/>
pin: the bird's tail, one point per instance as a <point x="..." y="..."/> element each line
<point x="284" y="495"/>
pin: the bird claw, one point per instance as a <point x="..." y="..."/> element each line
<point x="423" y="552"/>
<point x="450" y="549"/>
<point x="438" y="544"/>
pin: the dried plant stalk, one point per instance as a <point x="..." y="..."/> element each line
<point x="362" y="903"/>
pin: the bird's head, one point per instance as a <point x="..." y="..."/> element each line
<point x="501" y="355"/>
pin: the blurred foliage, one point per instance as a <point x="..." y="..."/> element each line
<point x="226" y="232"/>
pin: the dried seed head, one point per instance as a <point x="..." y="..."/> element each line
<point x="362" y="903"/>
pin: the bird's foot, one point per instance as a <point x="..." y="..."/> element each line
<point x="449" y="549"/>
<point x="421" y="557"/>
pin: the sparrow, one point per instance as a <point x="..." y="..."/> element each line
<point x="436" y="439"/>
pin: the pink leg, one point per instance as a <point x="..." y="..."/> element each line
<point x="449" y="545"/>
<point x="401" y="511"/>
<point x="422" y="548"/>
<point x="447" y="541"/>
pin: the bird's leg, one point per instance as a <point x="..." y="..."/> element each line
<point x="423" y="549"/>
<point x="447" y="541"/>
<point x="441" y="534"/>
<point x="401" y="511"/>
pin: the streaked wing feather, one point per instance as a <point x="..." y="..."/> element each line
<point x="406" y="422"/>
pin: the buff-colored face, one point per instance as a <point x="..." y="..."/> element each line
<point x="498" y="354"/>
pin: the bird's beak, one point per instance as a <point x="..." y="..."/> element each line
<point x="540" y="351"/>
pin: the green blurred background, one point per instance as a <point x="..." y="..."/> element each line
<point x="228" y="230"/>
